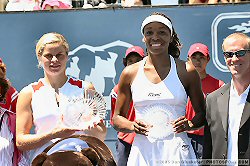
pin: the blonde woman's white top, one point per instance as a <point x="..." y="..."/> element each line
<point x="47" y="109"/>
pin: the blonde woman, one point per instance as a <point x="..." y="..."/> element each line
<point x="38" y="103"/>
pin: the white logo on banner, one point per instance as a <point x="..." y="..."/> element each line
<point x="243" y="27"/>
<point x="102" y="69"/>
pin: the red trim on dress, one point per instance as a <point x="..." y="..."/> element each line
<point x="75" y="82"/>
<point x="37" y="86"/>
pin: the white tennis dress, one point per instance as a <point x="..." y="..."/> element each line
<point x="47" y="114"/>
<point x="159" y="104"/>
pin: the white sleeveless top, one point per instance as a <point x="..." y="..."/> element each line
<point x="46" y="112"/>
<point x="159" y="104"/>
<point x="169" y="91"/>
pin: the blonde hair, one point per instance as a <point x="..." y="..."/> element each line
<point x="238" y="35"/>
<point x="50" y="38"/>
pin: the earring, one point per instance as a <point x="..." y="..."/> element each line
<point x="39" y="65"/>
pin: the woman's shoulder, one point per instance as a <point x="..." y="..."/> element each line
<point x="128" y="74"/>
<point x="183" y="66"/>
<point x="131" y="69"/>
<point x="26" y="92"/>
<point x="33" y="86"/>
<point x="186" y="71"/>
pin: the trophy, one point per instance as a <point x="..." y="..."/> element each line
<point x="160" y="117"/>
<point x="83" y="111"/>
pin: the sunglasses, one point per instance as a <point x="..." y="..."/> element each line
<point x="239" y="53"/>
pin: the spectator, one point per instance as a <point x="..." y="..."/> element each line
<point x="21" y="5"/>
<point x="129" y="3"/>
<point x="77" y="3"/>
<point x="157" y="85"/>
<point x="3" y="4"/>
<point x="9" y="102"/>
<point x="55" y="4"/>
<point x="227" y="132"/>
<point x="39" y="104"/>
<point x="207" y="1"/>
<point x="164" y="2"/>
<point x="181" y="2"/>
<point x="198" y="56"/>
<point x="9" y="154"/>
<point x="6" y="129"/>
<point x="123" y="145"/>
<point x="94" y="3"/>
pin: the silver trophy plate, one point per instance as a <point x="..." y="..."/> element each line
<point x="82" y="112"/>
<point x="160" y="117"/>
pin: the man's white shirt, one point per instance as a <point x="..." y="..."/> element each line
<point x="236" y="106"/>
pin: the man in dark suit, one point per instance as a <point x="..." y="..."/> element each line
<point x="227" y="131"/>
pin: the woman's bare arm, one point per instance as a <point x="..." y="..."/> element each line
<point x="197" y="97"/>
<point x="24" y="123"/>
<point x="123" y="101"/>
<point x="192" y="84"/>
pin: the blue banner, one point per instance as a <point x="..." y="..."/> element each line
<point x="98" y="40"/>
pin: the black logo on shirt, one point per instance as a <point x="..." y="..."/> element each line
<point x="185" y="147"/>
<point x="154" y="94"/>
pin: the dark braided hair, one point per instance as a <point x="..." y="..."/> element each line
<point x="173" y="48"/>
<point x="4" y="85"/>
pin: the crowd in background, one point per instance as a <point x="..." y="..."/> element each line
<point x="30" y="5"/>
